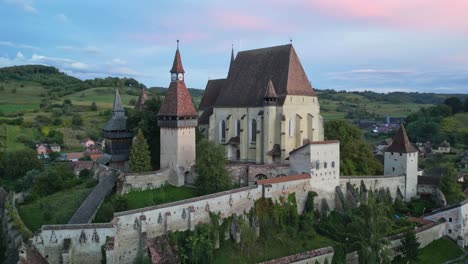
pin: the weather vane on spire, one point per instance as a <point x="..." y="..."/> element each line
<point x="177" y="44"/>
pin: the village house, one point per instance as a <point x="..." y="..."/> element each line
<point x="443" y="148"/>
<point x="87" y="142"/>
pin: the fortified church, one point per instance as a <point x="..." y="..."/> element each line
<point x="267" y="116"/>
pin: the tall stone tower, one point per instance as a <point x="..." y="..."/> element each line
<point x="401" y="158"/>
<point x="177" y="120"/>
<point x="118" y="138"/>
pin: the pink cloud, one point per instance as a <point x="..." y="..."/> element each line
<point x="192" y="36"/>
<point x="236" y="20"/>
<point x="427" y="15"/>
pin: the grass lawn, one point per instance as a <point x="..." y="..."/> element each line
<point x="166" y="194"/>
<point x="57" y="208"/>
<point x="439" y="251"/>
<point x="14" y="131"/>
<point x="277" y="245"/>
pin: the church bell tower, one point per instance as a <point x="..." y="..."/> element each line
<point x="178" y="120"/>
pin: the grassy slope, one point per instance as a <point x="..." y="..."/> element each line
<point x="278" y="245"/>
<point x="140" y="199"/>
<point x="60" y="207"/>
<point x="25" y="99"/>
<point x="438" y="251"/>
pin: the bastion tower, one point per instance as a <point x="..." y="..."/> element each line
<point x="401" y="158"/>
<point x="118" y="138"/>
<point x="178" y="120"/>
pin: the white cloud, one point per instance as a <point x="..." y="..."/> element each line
<point x="87" y="49"/>
<point x="7" y="43"/>
<point x="26" y="5"/>
<point x="19" y="55"/>
<point x="118" y="61"/>
<point x="62" y="17"/>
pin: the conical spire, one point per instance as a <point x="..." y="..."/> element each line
<point x="117" y="122"/>
<point x="177" y="65"/>
<point x="270" y="90"/>
<point x="118" y="107"/>
<point x="141" y="100"/>
<point x="232" y="59"/>
<point x="401" y="143"/>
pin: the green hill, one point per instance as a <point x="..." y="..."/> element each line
<point x="35" y="99"/>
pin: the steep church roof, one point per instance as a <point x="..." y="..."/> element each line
<point x="232" y="60"/>
<point x="211" y="93"/>
<point x="251" y="70"/>
<point x="177" y="101"/>
<point x="401" y="143"/>
<point x="141" y="100"/>
<point x="117" y="122"/>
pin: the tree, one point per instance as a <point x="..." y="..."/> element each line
<point x="210" y="167"/>
<point x="139" y="154"/>
<point x="449" y="186"/>
<point x="465" y="105"/>
<point x="14" y="165"/>
<point x="410" y="245"/>
<point x="455" y="103"/>
<point x="93" y="106"/>
<point x="355" y="154"/>
<point x="77" y="120"/>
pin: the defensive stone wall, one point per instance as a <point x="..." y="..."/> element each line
<point x="313" y="256"/>
<point x="248" y="174"/>
<point x="144" y="181"/>
<point x="138" y="224"/>
<point x="73" y="243"/>
<point x="425" y="235"/>
<point x="375" y="183"/>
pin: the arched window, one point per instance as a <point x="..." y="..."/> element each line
<point x="253" y="132"/>
<point x="238" y="128"/>
<point x="291" y="127"/>
<point x="223" y="130"/>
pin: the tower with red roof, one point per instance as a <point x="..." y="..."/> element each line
<point x="178" y="120"/>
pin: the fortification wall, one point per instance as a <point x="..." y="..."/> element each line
<point x="321" y="256"/>
<point x="85" y="242"/>
<point x="145" y="181"/>
<point x="456" y="218"/>
<point x="248" y="174"/>
<point x="375" y="183"/>
<point x="425" y="235"/>
<point x="183" y="215"/>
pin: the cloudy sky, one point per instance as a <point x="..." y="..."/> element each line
<point x="379" y="45"/>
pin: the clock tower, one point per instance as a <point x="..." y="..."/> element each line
<point x="178" y="120"/>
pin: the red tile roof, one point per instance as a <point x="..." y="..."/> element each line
<point x="284" y="179"/>
<point x="401" y="143"/>
<point x="177" y="64"/>
<point x="270" y="90"/>
<point x="177" y="101"/>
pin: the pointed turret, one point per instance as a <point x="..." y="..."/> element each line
<point x="270" y="96"/>
<point x="117" y="122"/>
<point x="232" y="59"/>
<point x="140" y="104"/>
<point x="401" y="143"/>
<point x="177" y="64"/>
<point x="177" y="102"/>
